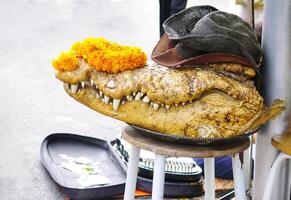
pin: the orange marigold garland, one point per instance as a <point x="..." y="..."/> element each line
<point x="104" y="55"/>
<point x="67" y="61"/>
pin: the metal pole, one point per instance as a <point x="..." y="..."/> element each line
<point x="273" y="174"/>
<point x="276" y="43"/>
<point x="250" y="13"/>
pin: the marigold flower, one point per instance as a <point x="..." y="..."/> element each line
<point x="67" y="61"/>
<point x="104" y="55"/>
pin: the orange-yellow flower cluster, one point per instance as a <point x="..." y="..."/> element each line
<point x="106" y="56"/>
<point x="67" y="61"/>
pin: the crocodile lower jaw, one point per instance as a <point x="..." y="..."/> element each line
<point x="193" y="119"/>
<point x="214" y="115"/>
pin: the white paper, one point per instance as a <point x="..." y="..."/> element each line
<point x="91" y="180"/>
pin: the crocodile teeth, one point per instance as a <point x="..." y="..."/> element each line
<point x="156" y="106"/>
<point x="176" y="104"/>
<point x="74" y="88"/>
<point x="138" y="96"/>
<point x="129" y="97"/>
<point x="133" y="93"/>
<point x="91" y="82"/>
<point x="106" y="99"/>
<point x="110" y="84"/>
<point x="167" y="106"/>
<point x="116" y="103"/>
<point x="183" y="103"/>
<point x="97" y="95"/>
<point x="83" y="84"/>
<point x="190" y="101"/>
<point x="146" y="99"/>
<point x="100" y="93"/>
<point x="123" y="102"/>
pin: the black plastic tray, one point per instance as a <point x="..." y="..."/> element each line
<point x="192" y="140"/>
<point x="76" y="146"/>
<point x="113" y="165"/>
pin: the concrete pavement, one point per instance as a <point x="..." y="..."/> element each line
<point x="33" y="103"/>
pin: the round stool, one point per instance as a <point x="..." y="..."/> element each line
<point x="163" y="149"/>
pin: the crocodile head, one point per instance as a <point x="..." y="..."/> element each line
<point x="200" y="101"/>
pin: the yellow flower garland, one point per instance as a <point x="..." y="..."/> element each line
<point x="67" y="61"/>
<point x="102" y="55"/>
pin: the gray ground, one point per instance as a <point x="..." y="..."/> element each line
<point x="32" y="101"/>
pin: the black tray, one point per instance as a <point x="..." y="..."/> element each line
<point x="95" y="149"/>
<point x="113" y="165"/>
<point x="191" y="140"/>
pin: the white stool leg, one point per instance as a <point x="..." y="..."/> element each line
<point x="159" y="178"/>
<point x="209" y="178"/>
<point x="238" y="178"/>
<point x="273" y="172"/>
<point x="247" y="166"/>
<point x="132" y="170"/>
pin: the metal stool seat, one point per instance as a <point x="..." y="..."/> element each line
<point x="164" y="149"/>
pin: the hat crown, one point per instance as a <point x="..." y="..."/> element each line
<point x="204" y="29"/>
<point x="184" y="26"/>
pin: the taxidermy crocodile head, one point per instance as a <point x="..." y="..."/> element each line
<point x="213" y="100"/>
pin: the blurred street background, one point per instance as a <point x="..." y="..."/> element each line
<point x="33" y="103"/>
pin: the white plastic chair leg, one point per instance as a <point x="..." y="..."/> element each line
<point x="209" y="178"/>
<point x="273" y="172"/>
<point x="132" y="170"/>
<point x="159" y="177"/>
<point x="238" y="178"/>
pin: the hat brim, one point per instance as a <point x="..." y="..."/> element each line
<point x="166" y="54"/>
